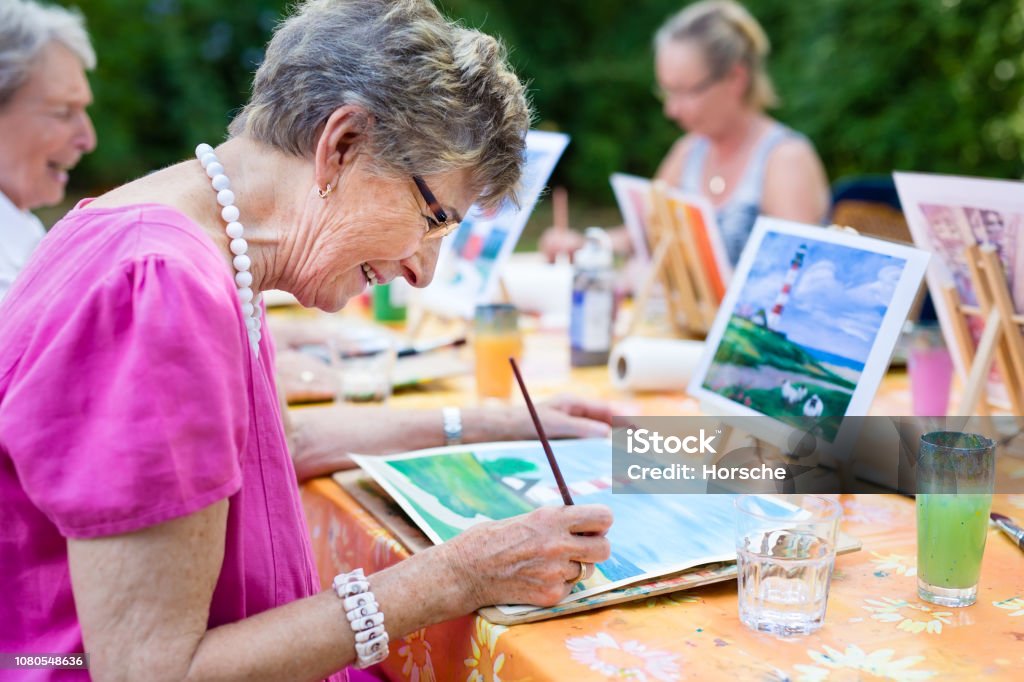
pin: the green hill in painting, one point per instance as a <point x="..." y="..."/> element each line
<point x="461" y="484"/>
<point x="751" y="345"/>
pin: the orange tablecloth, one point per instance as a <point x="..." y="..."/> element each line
<point x="876" y="628"/>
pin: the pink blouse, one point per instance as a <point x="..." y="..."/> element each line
<point x="129" y="396"/>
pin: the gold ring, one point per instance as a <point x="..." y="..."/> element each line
<point x="582" y="574"/>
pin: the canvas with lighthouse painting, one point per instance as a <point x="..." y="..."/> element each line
<point x="808" y="325"/>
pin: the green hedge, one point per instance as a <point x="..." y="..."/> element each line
<point x="931" y="85"/>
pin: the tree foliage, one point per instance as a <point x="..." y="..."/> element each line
<point x="928" y="85"/>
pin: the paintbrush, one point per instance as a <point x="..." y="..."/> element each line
<point x="1007" y="525"/>
<point x="562" y="488"/>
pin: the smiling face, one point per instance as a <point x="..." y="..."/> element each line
<point x="698" y="100"/>
<point x="45" y="130"/>
<point x="372" y="230"/>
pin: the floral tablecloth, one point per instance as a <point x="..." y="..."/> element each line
<point x="876" y="628"/>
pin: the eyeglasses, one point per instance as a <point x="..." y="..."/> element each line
<point x="664" y="94"/>
<point x="440" y="225"/>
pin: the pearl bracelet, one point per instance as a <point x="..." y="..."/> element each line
<point x="364" y="615"/>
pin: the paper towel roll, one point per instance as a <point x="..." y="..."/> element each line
<point x="639" y="364"/>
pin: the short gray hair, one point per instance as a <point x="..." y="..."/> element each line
<point x="26" y="27"/>
<point x="727" y="34"/>
<point x="441" y="97"/>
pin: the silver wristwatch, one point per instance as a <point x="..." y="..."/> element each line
<point x="452" y="421"/>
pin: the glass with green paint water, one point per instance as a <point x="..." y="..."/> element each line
<point x="955" y="479"/>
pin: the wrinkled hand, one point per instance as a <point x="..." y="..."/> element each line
<point x="529" y="559"/>
<point x="556" y="241"/>
<point x="572" y="416"/>
<point x="565" y="416"/>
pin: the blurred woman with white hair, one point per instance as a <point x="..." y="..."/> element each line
<point x="44" y="127"/>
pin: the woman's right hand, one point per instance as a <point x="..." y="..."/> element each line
<point x="529" y="559"/>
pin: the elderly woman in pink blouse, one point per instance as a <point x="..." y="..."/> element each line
<point x="151" y="515"/>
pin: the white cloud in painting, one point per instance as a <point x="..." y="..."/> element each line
<point x="863" y="325"/>
<point x="839" y="298"/>
<point x="842" y="319"/>
<point x="818" y="288"/>
<point x="815" y="285"/>
<point x="879" y="292"/>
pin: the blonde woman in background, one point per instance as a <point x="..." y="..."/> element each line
<point x="710" y="68"/>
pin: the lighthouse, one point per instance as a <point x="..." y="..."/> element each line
<point x="775" y="314"/>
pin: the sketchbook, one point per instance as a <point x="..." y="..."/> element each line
<point x="660" y="543"/>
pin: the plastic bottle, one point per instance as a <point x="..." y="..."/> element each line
<point x="593" y="300"/>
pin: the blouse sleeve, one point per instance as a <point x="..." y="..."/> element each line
<point x="134" y="408"/>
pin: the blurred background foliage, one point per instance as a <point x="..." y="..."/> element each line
<point x="927" y="85"/>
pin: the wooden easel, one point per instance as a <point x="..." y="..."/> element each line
<point x="690" y="296"/>
<point x="1001" y="339"/>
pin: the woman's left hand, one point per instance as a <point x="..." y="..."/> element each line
<point x="571" y="416"/>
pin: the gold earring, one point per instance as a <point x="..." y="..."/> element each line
<point x="324" y="192"/>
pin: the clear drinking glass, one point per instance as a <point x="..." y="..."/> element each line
<point x="363" y="368"/>
<point x="496" y="338"/>
<point x="955" y="479"/>
<point x="785" y="551"/>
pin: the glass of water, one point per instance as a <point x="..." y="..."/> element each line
<point x="785" y="551"/>
<point x="364" y="368"/>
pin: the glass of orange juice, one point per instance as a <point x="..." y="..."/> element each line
<point x="496" y="339"/>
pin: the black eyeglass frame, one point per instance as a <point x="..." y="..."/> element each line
<point x="443" y="225"/>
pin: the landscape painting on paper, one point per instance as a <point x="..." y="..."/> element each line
<point x="447" y="490"/>
<point x="802" y="329"/>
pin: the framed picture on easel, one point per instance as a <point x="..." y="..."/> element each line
<point x="707" y="253"/>
<point x="633" y="195"/>
<point x="675" y="236"/>
<point x="807" y="327"/>
<point x="471" y="260"/>
<point x="961" y="220"/>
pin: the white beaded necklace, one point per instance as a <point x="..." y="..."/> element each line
<point x="243" y="278"/>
